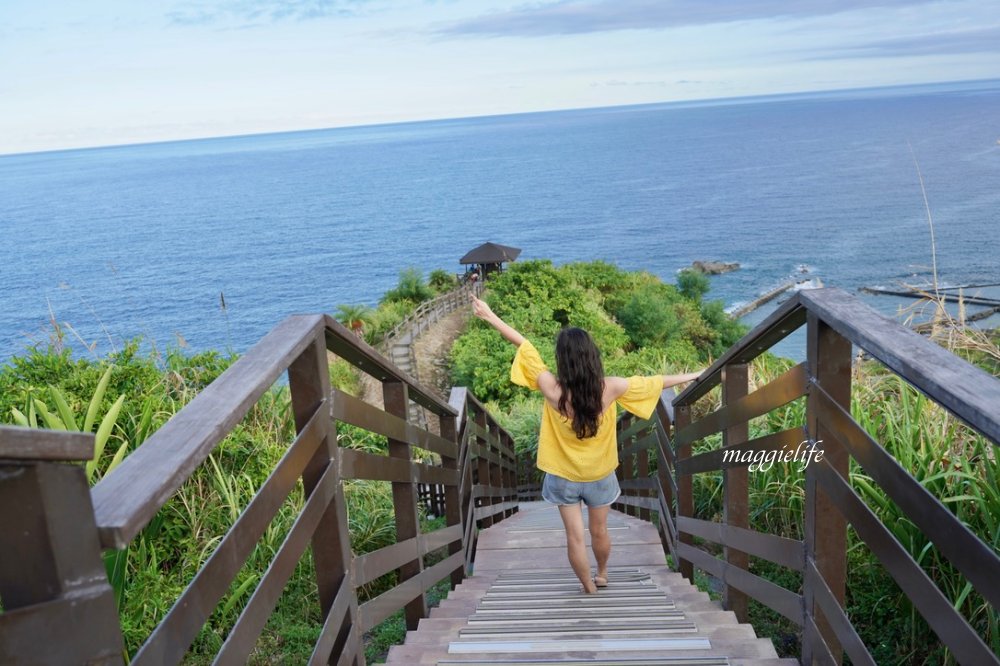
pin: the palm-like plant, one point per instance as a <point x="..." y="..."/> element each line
<point x="354" y="317"/>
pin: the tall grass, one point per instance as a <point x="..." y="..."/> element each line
<point x="950" y="460"/>
<point x="125" y="400"/>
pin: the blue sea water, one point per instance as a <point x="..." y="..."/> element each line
<point x="142" y="240"/>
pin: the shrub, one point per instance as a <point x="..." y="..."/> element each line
<point x="441" y="280"/>
<point x="411" y="287"/>
<point x="692" y="284"/>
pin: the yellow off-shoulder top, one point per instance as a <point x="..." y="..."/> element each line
<point x="560" y="451"/>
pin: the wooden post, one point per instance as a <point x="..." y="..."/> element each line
<point x="735" y="385"/>
<point x="452" y="494"/>
<point x="628" y="474"/>
<point x="508" y="474"/>
<point x="621" y="426"/>
<point x="58" y="604"/>
<point x="685" y="489"/>
<point x="496" y="472"/>
<point x="485" y="473"/>
<point x="664" y="473"/>
<point x="309" y="384"/>
<point x="829" y="362"/>
<point x="404" y="498"/>
<point x="642" y="472"/>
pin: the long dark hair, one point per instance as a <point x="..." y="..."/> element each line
<point x="581" y="377"/>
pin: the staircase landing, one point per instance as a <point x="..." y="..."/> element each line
<point x="524" y="606"/>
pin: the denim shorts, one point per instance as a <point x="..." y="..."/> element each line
<point x="558" y="490"/>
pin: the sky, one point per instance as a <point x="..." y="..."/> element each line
<point x="78" y="74"/>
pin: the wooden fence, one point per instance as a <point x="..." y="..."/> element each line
<point x="58" y="604"/>
<point x="834" y="322"/>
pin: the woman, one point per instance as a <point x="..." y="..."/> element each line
<point x="577" y="447"/>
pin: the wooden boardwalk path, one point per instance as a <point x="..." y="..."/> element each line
<point x="523" y="606"/>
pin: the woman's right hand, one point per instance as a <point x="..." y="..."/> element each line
<point x="481" y="308"/>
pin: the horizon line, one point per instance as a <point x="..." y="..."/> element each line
<point x="738" y="98"/>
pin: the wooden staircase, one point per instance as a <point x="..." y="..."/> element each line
<point x="524" y="606"/>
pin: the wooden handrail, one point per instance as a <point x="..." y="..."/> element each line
<point x="834" y="321"/>
<point x="476" y="477"/>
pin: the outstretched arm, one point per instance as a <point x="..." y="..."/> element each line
<point x="483" y="311"/>
<point x="674" y="380"/>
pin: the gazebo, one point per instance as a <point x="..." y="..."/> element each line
<point x="488" y="258"/>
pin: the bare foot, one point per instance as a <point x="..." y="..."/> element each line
<point x="590" y="587"/>
<point x="601" y="581"/>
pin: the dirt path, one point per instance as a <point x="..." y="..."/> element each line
<point x="431" y="349"/>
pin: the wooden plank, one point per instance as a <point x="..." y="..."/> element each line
<point x="359" y="413"/>
<point x="377" y="563"/>
<point x="685" y="489"/>
<point x="355" y="464"/>
<point x="395" y="396"/>
<point x="130" y="495"/>
<point x="645" y="483"/>
<point x="333" y="625"/>
<point x="480" y="490"/>
<point x="941" y="616"/>
<point x="63" y="631"/>
<point x="56" y="597"/>
<point x="491" y="510"/>
<point x="650" y="503"/>
<point x="815" y="646"/>
<point x="971" y="555"/>
<point x="18" y="443"/>
<point x="448" y="426"/>
<point x="644" y="444"/>
<point x="171" y="639"/>
<point x="710" y="461"/>
<point x="345" y="344"/>
<point x="790" y="386"/>
<point x="735" y="486"/>
<point x="966" y="391"/>
<point x="378" y="609"/>
<point x="640" y="425"/>
<point x="764" y="591"/>
<point x="349" y="655"/>
<point x="829" y="358"/>
<point x="440" y="538"/>
<point x="778" y="325"/>
<point x="836" y="618"/>
<point x="243" y="637"/>
<point x="780" y="550"/>
<point x="434" y="475"/>
<point x="663" y="444"/>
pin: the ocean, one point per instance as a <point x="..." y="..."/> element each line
<point x="146" y="240"/>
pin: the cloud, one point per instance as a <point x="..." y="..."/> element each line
<point x="264" y="11"/>
<point x="566" y="17"/>
<point x="973" y="40"/>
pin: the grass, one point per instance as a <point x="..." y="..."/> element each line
<point x="955" y="464"/>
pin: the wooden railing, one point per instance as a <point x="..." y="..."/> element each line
<point x="58" y="604"/>
<point x="430" y="311"/>
<point x="834" y="322"/>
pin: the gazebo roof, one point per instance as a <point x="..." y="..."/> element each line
<point x="490" y="253"/>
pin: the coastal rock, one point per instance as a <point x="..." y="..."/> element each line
<point x="714" y="267"/>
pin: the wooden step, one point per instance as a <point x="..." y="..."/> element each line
<point x="648" y="615"/>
